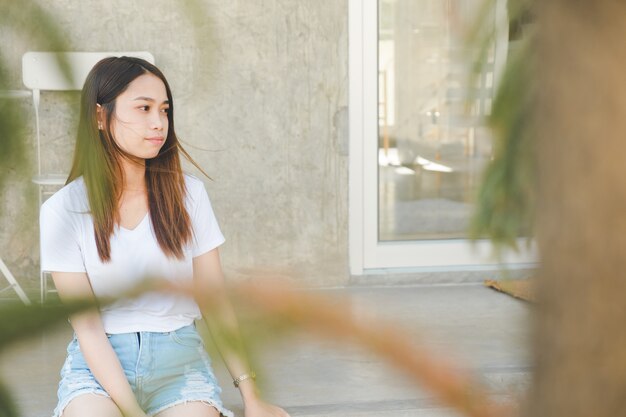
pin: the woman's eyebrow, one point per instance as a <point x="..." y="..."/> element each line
<point x="149" y="99"/>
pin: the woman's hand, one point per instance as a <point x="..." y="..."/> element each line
<point x="259" y="408"/>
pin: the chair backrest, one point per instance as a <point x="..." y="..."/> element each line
<point x="44" y="70"/>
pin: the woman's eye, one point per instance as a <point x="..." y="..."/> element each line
<point x="165" y="110"/>
<point x="144" y="108"/>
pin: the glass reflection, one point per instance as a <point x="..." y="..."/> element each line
<point x="433" y="143"/>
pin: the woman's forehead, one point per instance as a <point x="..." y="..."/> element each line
<point x="146" y="87"/>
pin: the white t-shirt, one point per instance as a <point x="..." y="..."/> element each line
<point x="68" y="245"/>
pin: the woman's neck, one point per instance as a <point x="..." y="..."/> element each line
<point x="134" y="175"/>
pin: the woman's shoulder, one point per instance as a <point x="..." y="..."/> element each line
<point x="193" y="184"/>
<point x="196" y="196"/>
<point x="71" y="198"/>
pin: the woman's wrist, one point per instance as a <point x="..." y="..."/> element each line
<point x="248" y="390"/>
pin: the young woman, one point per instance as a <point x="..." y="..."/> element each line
<point x="128" y="212"/>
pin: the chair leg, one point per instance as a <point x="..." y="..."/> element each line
<point x="43" y="287"/>
<point x="13" y="283"/>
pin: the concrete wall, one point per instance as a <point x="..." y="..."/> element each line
<point x="260" y="89"/>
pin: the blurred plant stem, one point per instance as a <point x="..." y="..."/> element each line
<point x="279" y="304"/>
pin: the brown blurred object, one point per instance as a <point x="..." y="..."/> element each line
<point x="518" y="288"/>
<point x="580" y="318"/>
<point x="278" y="300"/>
<point x="449" y="382"/>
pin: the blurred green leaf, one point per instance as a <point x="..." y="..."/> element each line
<point x="21" y="322"/>
<point x="29" y="20"/>
<point x="7" y="404"/>
<point x="13" y="154"/>
<point x="506" y="197"/>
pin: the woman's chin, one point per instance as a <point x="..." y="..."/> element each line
<point x="153" y="153"/>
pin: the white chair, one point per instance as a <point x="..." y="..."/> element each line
<point x="48" y="71"/>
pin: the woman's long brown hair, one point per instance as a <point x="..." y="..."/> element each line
<point x="97" y="158"/>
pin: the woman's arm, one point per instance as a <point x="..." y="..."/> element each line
<point x="94" y="344"/>
<point x="209" y="279"/>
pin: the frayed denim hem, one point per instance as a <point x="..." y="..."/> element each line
<point x="58" y="411"/>
<point x="223" y="411"/>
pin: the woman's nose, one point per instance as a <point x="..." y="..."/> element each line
<point x="156" y="121"/>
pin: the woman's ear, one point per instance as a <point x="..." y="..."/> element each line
<point x="99" y="116"/>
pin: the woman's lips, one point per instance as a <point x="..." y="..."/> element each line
<point x="156" y="140"/>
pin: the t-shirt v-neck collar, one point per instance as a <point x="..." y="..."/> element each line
<point x="139" y="225"/>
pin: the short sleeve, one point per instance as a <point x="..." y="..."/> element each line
<point x="60" y="248"/>
<point x="207" y="233"/>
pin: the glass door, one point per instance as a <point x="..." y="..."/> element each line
<point x="423" y="143"/>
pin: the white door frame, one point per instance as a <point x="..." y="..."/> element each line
<point x="367" y="254"/>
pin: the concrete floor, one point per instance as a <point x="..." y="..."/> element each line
<point x="484" y="330"/>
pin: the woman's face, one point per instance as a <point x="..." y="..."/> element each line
<point x="139" y="125"/>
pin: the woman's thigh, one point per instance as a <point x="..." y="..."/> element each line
<point x="91" y="405"/>
<point x="190" y="409"/>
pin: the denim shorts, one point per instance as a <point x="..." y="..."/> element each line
<point x="163" y="369"/>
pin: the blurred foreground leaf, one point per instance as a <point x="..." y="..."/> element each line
<point x="7" y="405"/>
<point x="31" y="22"/>
<point x="21" y="322"/>
<point x="506" y="197"/>
<point x="279" y="306"/>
